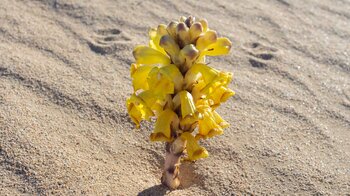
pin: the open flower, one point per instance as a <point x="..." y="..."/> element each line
<point x="155" y="102"/>
<point x="138" y="110"/>
<point x="210" y="123"/>
<point x="185" y="100"/>
<point x="194" y="150"/>
<point x="155" y="34"/>
<point x="164" y="80"/>
<point x="208" y="83"/>
<point x="149" y="56"/>
<point x="139" y="74"/>
<point x="167" y="122"/>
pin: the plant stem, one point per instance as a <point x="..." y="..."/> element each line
<point x="174" y="151"/>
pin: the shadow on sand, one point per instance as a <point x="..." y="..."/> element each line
<point x="156" y="190"/>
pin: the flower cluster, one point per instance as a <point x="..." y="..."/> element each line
<point x="173" y="83"/>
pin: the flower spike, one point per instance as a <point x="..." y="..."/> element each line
<point x="173" y="83"/>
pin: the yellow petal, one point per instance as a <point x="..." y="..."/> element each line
<point x="207" y="39"/>
<point x="155" y="34"/>
<point x="138" y="110"/>
<point x="185" y="100"/>
<point x="208" y="126"/>
<point x="139" y="75"/>
<point x="169" y="104"/>
<point x="194" y="150"/>
<point x="220" y="94"/>
<point x="160" y="84"/>
<point x="196" y="90"/>
<point x="210" y="123"/>
<point x="197" y="70"/>
<point x="166" y="122"/>
<point x="147" y="55"/>
<point x="222" y="79"/>
<point x="221" y="122"/>
<point x="173" y="73"/>
<point x="153" y="101"/>
<point x="221" y="47"/>
<point x="189" y="123"/>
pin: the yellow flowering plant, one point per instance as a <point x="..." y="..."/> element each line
<point x="173" y="84"/>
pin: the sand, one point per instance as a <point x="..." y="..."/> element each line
<point x="64" y="79"/>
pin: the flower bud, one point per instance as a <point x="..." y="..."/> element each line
<point x="171" y="28"/>
<point x="195" y="30"/>
<point x="190" y="53"/>
<point x="170" y="46"/>
<point x="182" y="18"/>
<point x="189" y="21"/>
<point x="182" y="32"/>
<point x="161" y="30"/>
<point x="204" y="23"/>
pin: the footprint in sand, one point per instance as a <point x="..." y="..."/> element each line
<point x="108" y="41"/>
<point x="259" y="54"/>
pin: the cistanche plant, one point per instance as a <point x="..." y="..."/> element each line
<point x="173" y="83"/>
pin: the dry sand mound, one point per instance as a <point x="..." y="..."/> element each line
<point x="64" y="78"/>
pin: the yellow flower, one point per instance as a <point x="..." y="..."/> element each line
<point x="209" y="83"/>
<point x="209" y="44"/>
<point x="173" y="73"/>
<point x="221" y="47"/>
<point x="165" y="80"/>
<point x="216" y="90"/>
<point x="147" y="55"/>
<point x="138" y="110"/>
<point x="219" y="95"/>
<point x="166" y="123"/>
<point x="155" y="34"/>
<point x="139" y="74"/>
<point x="158" y="83"/>
<point x="189" y="122"/>
<point x="185" y="100"/>
<point x="154" y="101"/>
<point x="210" y="122"/>
<point x="222" y="79"/>
<point x="199" y="70"/>
<point x="208" y="38"/>
<point x="194" y="150"/>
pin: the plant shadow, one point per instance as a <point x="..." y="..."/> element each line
<point x="156" y="190"/>
<point x="188" y="177"/>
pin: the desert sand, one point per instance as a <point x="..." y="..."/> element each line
<point x="64" y="79"/>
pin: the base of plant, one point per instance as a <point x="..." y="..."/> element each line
<point x="174" y="151"/>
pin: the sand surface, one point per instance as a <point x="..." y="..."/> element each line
<point x="64" y="79"/>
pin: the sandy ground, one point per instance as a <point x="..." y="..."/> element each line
<point x="64" y="78"/>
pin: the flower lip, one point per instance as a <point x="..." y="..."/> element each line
<point x="194" y="150"/>
<point x="147" y="55"/>
<point x="166" y="123"/>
